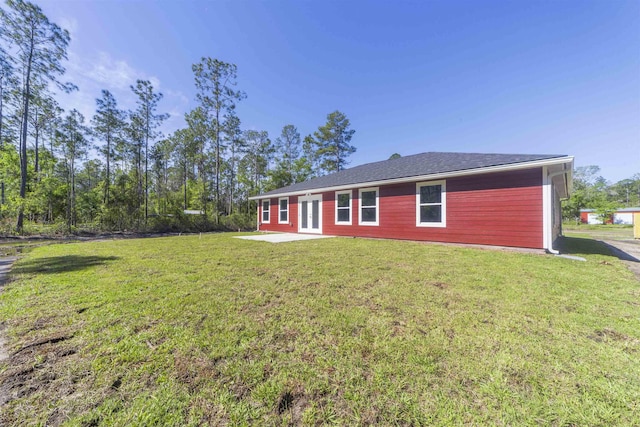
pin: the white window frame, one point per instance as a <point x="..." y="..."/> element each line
<point x="268" y="211"/>
<point x="364" y="190"/>
<point x="280" y="210"/>
<point x="350" y="193"/>
<point x="443" y="204"/>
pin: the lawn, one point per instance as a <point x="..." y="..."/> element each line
<point x="601" y="232"/>
<point x="209" y="329"/>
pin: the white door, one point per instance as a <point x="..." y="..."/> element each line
<point x="310" y="214"/>
<point x="593" y="218"/>
<point x="623" y="218"/>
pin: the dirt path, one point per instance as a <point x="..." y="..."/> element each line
<point x="620" y="242"/>
<point x="5" y="266"/>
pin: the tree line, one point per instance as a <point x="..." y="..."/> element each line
<point x="592" y="191"/>
<point x="116" y="170"/>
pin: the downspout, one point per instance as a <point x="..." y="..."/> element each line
<point x="259" y="203"/>
<point x="547" y="206"/>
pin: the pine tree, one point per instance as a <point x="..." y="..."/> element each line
<point x="290" y="166"/>
<point x="38" y="48"/>
<point x="215" y="81"/>
<point x="198" y="132"/>
<point x="149" y="122"/>
<point x="256" y="161"/>
<point x="237" y="148"/>
<point x="332" y="142"/>
<point x="8" y="83"/>
<point x="73" y="143"/>
<point x="108" y="125"/>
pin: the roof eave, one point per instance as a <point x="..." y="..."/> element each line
<point x="474" y="171"/>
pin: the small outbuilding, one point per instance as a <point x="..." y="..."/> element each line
<point x="489" y="199"/>
<point x="620" y="216"/>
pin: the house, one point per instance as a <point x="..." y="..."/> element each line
<point x="488" y="199"/>
<point x="620" y="216"/>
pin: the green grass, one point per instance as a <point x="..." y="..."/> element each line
<point x="604" y="232"/>
<point x="216" y="330"/>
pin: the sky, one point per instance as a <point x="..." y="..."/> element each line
<point x="531" y="77"/>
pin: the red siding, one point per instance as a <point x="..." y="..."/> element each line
<point x="503" y="208"/>
<point x="584" y="217"/>
<point x="291" y="227"/>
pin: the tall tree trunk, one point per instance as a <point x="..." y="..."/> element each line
<point x="255" y="167"/>
<point x="37" y="143"/>
<point x="1" y="138"/>
<point x="184" y="206"/>
<point x="1" y="113"/>
<point x="23" y="143"/>
<point x="146" y="173"/>
<point x="51" y="171"/>
<point x="231" y="189"/>
<point x="203" y="176"/>
<point x="217" y="165"/>
<point x="139" y="183"/>
<point x="108" y="177"/>
<point x="73" y="193"/>
<point x="166" y="186"/>
<point x="69" y="198"/>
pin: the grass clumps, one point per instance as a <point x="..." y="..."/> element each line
<point x="215" y="330"/>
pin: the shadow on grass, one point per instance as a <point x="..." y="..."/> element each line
<point x="586" y="246"/>
<point x="60" y="264"/>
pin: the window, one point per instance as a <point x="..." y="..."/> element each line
<point x="265" y="211"/>
<point x="368" y="206"/>
<point x="283" y="214"/>
<point x="343" y="207"/>
<point x="431" y="204"/>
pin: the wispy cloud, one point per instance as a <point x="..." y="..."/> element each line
<point x="70" y="24"/>
<point x="177" y="104"/>
<point x="117" y="74"/>
<point x="102" y="71"/>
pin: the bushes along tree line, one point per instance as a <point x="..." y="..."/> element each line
<point x="136" y="178"/>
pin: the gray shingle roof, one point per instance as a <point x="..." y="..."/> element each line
<point x="409" y="166"/>
<point x="617" y="210"/>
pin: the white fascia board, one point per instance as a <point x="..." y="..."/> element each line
<point x="444" y="175"/>
<point x="569" y="178"/>
<point x="546" y="209"/>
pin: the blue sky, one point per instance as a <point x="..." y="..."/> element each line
<point x="412" y="76"/>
